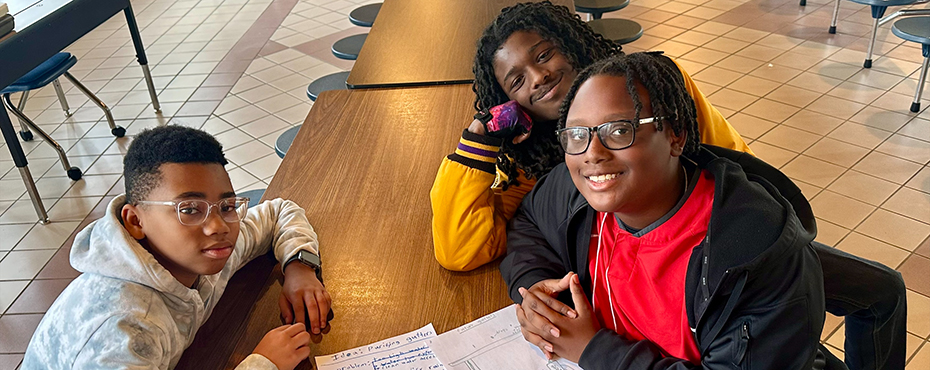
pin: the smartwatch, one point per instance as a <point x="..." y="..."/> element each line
<point x="307" y="258"/>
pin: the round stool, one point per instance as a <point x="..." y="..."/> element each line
<point x="597" y="8"/>
<point x="283" y="143"/>
<point x="255" y="196"/>
<point x="335" y="81"/>
<point x="364" y="16"/>
<point x="621" y="31"/>
<point x="916" y="29"/>
<point x="349" y="47"/>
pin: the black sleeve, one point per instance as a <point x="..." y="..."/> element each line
<point x="530" y="256"/>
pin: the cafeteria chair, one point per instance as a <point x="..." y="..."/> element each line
<point x="284" y="141"/>
<point x="349" y="47"/>
<point x="916" y="29"/>
<point x="334" y="81"/>
<point x="45" y="73"/>
<point x="621" y="31"/>
<point x="878" y="8"/>
<point x="364" y="16"/>
<point x="254" y="195"/>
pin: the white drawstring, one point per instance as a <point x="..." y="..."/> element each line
<point x="597" y="265"/>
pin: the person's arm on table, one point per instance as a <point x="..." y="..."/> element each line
<point x="469" y="217"/>
<point x="283" y="225"/>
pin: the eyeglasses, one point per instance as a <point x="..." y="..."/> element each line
<point x="195" y="211"/>
<point x="614" y="135"/>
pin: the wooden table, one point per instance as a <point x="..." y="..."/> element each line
<point x="425" y="42"/>
<point x="362" y="167"/>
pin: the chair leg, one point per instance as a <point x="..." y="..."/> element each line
<point x="73" y="172"/>
<point x="33" y="194"/>
<point x="836" y="14"/>
<point x="803" y="3"/>
<point x="117" y="131"/>
<point x="61" y="98"/>
<point x="915" y="106"/>
<point x="23" y="128"/>
<point x="868" y="54"/>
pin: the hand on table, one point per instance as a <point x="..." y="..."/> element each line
<point x="551" y="325"/>
<point x="303" y="292"/>
<point x="285" y="346"/>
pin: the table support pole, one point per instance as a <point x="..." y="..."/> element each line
<point x="19" y="158"/>
<point x="140" y="55"/>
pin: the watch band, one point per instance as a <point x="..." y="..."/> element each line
<point x="308" y="259"/>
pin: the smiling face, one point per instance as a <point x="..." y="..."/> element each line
<point x="640" y="183"/>
<point x="185" y="251"/>
<point x="534" y="72"/>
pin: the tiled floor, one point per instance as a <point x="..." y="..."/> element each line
<point x="239" y="69"/>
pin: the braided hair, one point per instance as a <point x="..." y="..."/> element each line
<point x="574" y="38"/>
<point x="667" y="93"/>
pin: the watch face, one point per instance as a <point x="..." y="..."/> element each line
<point x="309" y="258"/>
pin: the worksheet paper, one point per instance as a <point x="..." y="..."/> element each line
<point x="493" y="342"/>
<point x="410" y="351"/>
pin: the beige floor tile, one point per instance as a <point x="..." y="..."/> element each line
<point x="913" y="344"/>
<point x="791" y="95"/>
<point x="754" y="85"/>
<point x="876" y="79"/>
<point x="73" y="209"/>
<point x="739" y="64"/>
<point x="812" y="121"/>
<point x="838" y="339"/>
<point x="706" y="56"/>
<point x="667" y="32"/>
<point x="813" y="171"/>
<point x="715" y="28"/>
<point x="906" y="147"/>
<point x="93" y="185"/>
<point x="918" y="310"/>
<point x="771" y="110"/>
<point x="831" y="323"/>
<point x="840" y="71"/>
<point x="777" y="73"/>
<point x="836" y="107"/>
<point x="12" y="234"/>
<point x="887" y="167"/>
<point x="726" y="45"/>
<point x="829" y="233"/>
<point x="873" y="249"/>
<point x="746" y="34"/>
<point x="9" y="291"/>
<point x="917" y="128"/>
<point x="857" y="93"/>
<point x="690" y="67"/>
<point x="897" y="102"/>
<point x="728" y="98"/>
<point x="773" y="155"/>
<point x="864" y="136"/>
<point x="895" y="229"/>
<point x="759" y="52"/>
<point x="790" y="138"/>
<point x="717" y="76"/>
<point x="921" y="181"/>
<point x="50" y="236"/>
<point x="836" y="152"/>
<point x="815" y="82"/>
<point x="912" y="203"/>
<point x="20" y="265"/>
<point x="841" y="210"/>
<point x="881" y="118"/>
<point x="862" y="187"/>
<point x="750" y="126"/>
<point x="921" y="360"/>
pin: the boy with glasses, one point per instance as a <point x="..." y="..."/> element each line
<point x="687" y="255"/>
<point x="156" y="265"/>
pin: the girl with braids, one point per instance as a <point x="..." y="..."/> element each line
<point x="663" y="293"/>
<point x="530" y="54"/>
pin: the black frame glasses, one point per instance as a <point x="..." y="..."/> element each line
<point x="613" y="135"/>
<point x="191" y="211"/>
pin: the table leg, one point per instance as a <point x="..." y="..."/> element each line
<point x="140" y="55"/>
<point x="16" y="150"/>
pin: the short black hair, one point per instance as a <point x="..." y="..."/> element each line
<point x="575" y="39"/>
<point x="663" y="82"/>
<point x="165" y="144"/>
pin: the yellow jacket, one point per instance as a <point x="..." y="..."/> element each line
<point x="470" y="214"/>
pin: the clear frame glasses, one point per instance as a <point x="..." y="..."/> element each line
<point x="614" y="135"/>
<point x="194" y="212"/>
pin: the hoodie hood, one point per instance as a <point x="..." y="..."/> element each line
<point x="107" y="249"/>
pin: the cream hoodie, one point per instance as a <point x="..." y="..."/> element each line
<point x="126" y="311"/>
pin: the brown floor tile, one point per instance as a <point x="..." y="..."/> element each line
<point x="924" y="248"/>
<point x="916" y="272"/>
<point x="210" y="93"/>
<point x="221" y="79"/>
<point x="10" y="362"/>
<point x="38" y="296"/>
<point x="198" y="108"/>
<point x="270" y="48"/>
<point x="17" y="330"/>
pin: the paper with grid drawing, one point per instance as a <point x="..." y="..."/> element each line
<point x="410" y="351"/>
<point x="493" y="342"/>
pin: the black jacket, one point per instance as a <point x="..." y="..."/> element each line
<point x="753" y="289"/>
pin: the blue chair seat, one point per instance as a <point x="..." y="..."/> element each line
<point x="283" y="143"/>
<point x="349" y="47"/>
<point x="335" y="81"/>
<point x="598" y="7"/>
<point x="916" y="29"/>
<point x="364" y="16"/>
<point x="255" y="196"/>
<point x="884" y="2"/>
<point x="42" y="75"/>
